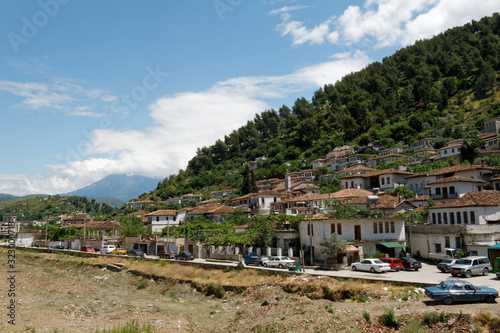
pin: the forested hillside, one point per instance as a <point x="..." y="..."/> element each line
<point x="434" y="84"/>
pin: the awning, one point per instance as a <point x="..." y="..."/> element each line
<point x="392" y="245"/>
<point x="351" y="248"/>
<point x="496" y="246"/>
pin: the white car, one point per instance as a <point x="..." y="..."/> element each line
<point x="106" y="249"/>
<point x="371" y="265"/>
<point x="278" y="262"/>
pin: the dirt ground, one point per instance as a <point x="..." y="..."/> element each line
<point x="54" y="294"/>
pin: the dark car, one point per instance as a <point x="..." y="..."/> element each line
<point x="137" y="253"/>
<point x="184" y="255"/>
<point x="460" y="291"/>
<point x="167" y="254"/>
<point x="444" y="266"/>
<point x="410" y="263"/>
<point x="60" y="247"/>
<point x="395" y="263"/>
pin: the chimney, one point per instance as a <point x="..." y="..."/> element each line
<point x="288" y="183"/>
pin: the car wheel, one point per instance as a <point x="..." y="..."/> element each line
<point x="416" y="269"/>
<point x="485" y="271"/>
<point x="490" y="299"/>
<point x="264" y="264"/>
<point x="447" y="301"/>
<point x="453" y="274"/>
<point x="468" y="273"/>
<point x="354" y="268"/>
<point x="280" y="266"/>
<point x="372" y="270"/>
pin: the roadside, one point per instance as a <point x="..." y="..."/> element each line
<point x="73" y="294"/>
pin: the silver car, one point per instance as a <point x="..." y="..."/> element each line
<point x="471" y="266"/>
<point x="278" y="262"/>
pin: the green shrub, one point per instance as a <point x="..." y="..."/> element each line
<point x="142" y="284"/>
<point x="414" y="325"/>
<point x="389" y="319"/>
<point x="329" y="307"/>
<point x="215" y="289"/>
<point x="494" y="325"/>
<point x="367" y="316"/>
<point x="361" y="298"/>
<point x="432" y="318"/>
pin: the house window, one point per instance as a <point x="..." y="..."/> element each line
<point x="466" y="221"/>
<point x="452" y="218"/>
<point x="375" y="230"/>
<point x="459" y="218"/>
<point x="447" y="242"/>
<point x="434" y="218"/>
<point x="393" y="227"/>
<point x="445" y="218"/>
<point x="157" y="218"/>
<point x="383" y="180"/>
<point x="262" y="200"/>
<point x="380" y="227"/>
<point x="388" y="179"/>
<point x="458" y="242"/>
<point x="310" y="230"/>
<point x="472" y="218"/>
<point x="438" y="248"/>
<point x="339" y="229"/>
<point x="438" y="190"/>
<point x="452" y="189"/>
<point x="439" y="218"/>
<point x="332" y="228"/>
<point x="386" y="227"/>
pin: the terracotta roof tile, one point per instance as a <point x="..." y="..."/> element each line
<point x="471" y="199"/>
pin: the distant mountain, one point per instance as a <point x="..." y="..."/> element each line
<point x="12" y="198"/>
<point x="121" y="187"/>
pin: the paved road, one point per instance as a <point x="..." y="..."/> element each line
<point x="428" y="274"/>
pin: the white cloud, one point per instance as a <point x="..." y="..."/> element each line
<point x="182" y="123"/>
<point x="385" y="23"/>
<point x="59" y="94"/>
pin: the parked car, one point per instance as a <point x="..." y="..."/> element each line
<point x="278" y="261"/>
<point x="371" y="265"/>
<point x="444" y="266"/>
<point x="410" y="263"/>
<point x="119" y="250"/>
<point x="471" y="266"/>
<point x="167" y="254"/>
<point x="395" y="263"/>
<point x="184" y="255"/>
<point x="137" y="253"/>
<point x="60" y="247"/>
<point x="458" y="290"/>
<point x="107" y="248"/>
<point x="87" y="248"/>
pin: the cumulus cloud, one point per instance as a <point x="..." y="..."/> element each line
<point x="181" y="124"/>
<point x="385" y="23"/>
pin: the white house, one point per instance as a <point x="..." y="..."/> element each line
<point x="454" y="187"/>
<point x="368" y="235"/>
<point x="470" y="222"/>
<point x="160" y="219"/>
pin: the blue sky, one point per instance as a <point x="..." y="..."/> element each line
<point x="92" y="88"/>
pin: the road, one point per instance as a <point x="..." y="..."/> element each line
<point x="428" y="274"/>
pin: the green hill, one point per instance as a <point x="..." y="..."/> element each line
<point x="435" y="84"/>
<point x="10" y="197"/>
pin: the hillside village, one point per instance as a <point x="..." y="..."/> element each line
<point x="456" y="207"/>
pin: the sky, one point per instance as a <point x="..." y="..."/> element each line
<point x="93" y="88"/>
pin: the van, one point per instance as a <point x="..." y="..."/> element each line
<point x="471" y="266"/>
<point x="87" y="248"/>
<point x="106" y="249"/>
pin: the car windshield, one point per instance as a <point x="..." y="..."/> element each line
<point x="465" y="262"/>
<point x="447" y="261"/>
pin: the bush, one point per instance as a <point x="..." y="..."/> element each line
<point x="414" y="325"/>
<point x="142" y="284"/>
<point x="389" y="319"/>
<point x="432" y="318"/>
<point x="215" y="289"/>
<point x="367" y="316"/>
